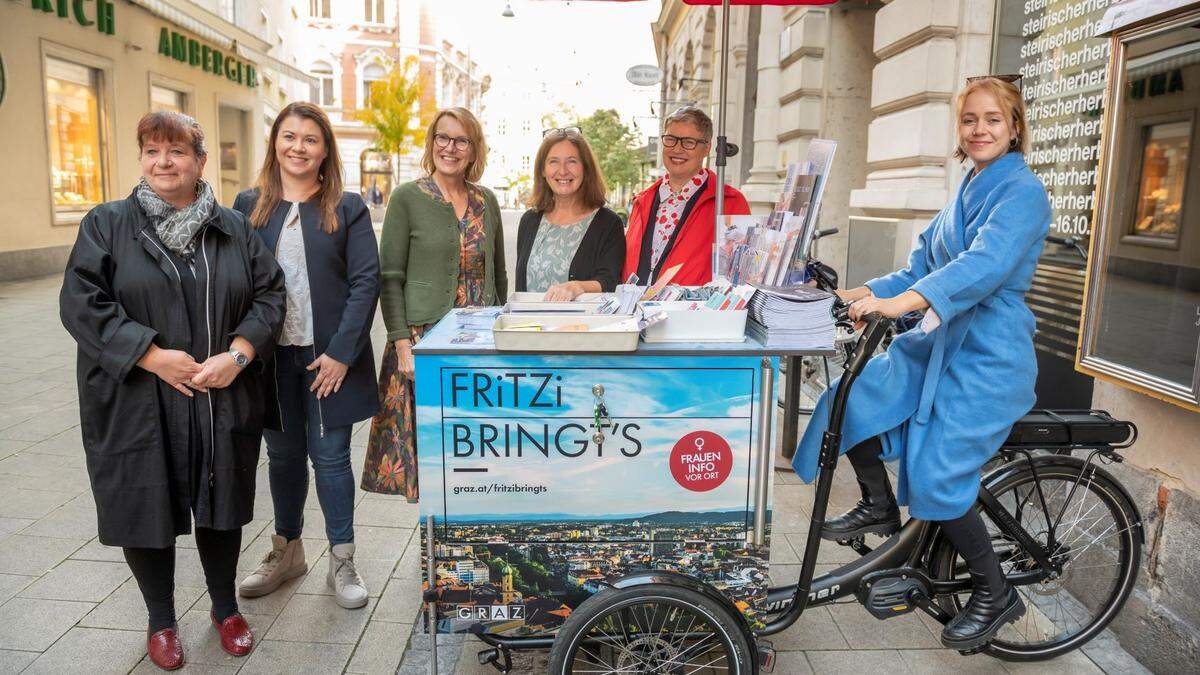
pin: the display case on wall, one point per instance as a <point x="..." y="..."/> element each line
<point x="1141" y="326"/>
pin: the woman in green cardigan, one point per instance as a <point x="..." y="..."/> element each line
<point x="442" y="247"/>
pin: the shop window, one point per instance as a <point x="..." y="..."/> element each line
<point x="165" y="98"/>
<point x="1142" y="321"/>
<point x="1164" y="165"/>
<point x="373" y="11"/>
<point x="323" y="92"/>
<point x="319" y="9"/>
<point x="73" y="106"/>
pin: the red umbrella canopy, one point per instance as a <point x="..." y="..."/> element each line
<point x="718" y="2"/>
<point x="761" y="2"/>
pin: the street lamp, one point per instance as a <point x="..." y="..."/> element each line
<point x="507" y="13"/>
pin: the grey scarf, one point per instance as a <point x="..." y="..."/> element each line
<point x="177" y="228"/>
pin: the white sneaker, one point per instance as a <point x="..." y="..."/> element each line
<point x="284" y="561"/>
<point x="348" y="588"/>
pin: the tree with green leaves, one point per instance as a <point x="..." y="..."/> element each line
<point x="394" y="110"/>
<point x="615" y="147"/>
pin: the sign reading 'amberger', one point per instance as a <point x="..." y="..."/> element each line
<point x="209" y="59"/>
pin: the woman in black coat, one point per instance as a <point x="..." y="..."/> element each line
<point x="173" y="302"/>
<point x="322" y="379"/>
<point x="568" y="243"/>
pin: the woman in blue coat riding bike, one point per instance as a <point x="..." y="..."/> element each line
<point x="944" y="396"/>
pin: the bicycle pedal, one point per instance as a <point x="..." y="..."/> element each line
<point x="496" y="657"/>
<point x="890" y="593"/>
<point x="766" y="656"/>
<point x="860" y="540"/>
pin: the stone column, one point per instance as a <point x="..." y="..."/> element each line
<point x="926" y="48"/>
<point x="763" y="185"/>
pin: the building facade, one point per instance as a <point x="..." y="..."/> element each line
<point x="347" y="46"/>
<point x="881" y="79"/>
<point x="78" y="76"/>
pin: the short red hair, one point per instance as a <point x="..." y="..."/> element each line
<point x="172" y="127"/>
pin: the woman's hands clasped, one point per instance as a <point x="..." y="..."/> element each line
<point x="175" y="367"/>
<point x="217" y="372"/>
<point x="564" y="292"/>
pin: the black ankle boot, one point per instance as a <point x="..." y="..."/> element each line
<point x="993" y="603"/>
<point x="875" y="513"/>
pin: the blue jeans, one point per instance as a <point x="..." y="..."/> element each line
<point x="289" y="450"/>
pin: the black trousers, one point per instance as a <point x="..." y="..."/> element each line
<point x="154" y="569"/>
<point x="967" y="532"/>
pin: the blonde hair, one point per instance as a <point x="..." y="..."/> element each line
<point x="1008" y="97"/>
<point x="591" y="189"/>
<point x="474" y="134"/>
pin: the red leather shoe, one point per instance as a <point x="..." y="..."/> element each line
<point x="164" y="649"/>
<point x="236" y="637"/>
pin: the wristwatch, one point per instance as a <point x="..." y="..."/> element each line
<point x="239" y="358"/>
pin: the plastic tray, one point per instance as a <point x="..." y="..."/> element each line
<point x="526" y="302"/>
<point x="695" y="325"/>
<point x="594" y="340"/>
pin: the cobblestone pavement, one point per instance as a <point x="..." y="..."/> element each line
<point x="69" y="604"/>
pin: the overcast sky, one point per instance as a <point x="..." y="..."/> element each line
<point x="581" y="49"/>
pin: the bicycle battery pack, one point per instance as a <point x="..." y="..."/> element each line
<point x="1040" y="428"/>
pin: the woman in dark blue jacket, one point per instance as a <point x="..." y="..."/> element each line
<point x="323" y="376"/>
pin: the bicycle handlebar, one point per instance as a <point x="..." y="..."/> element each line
<point x="1061" y="241"/>
<point x="825" y="233"/>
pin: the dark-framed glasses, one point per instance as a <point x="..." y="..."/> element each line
<point x="442" y="141"/>
<point x="687" y="142"/>
<point x="1011" y="78"/>
<point x="563" y="131"/>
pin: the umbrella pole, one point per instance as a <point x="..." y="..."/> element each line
<point x="721" y="148"/>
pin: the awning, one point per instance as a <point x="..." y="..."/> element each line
<point x="1163" y="61"/>
<point x="209" y="34"/>
<point x="272" y="63"/>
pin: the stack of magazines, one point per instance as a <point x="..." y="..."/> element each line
<point x="791" y="318"/>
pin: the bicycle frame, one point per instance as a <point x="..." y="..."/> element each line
<point x="902" y="550"/>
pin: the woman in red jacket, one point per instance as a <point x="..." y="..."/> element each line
<point x="672" y="221"/>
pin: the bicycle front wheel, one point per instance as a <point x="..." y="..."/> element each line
<point x="651" y="629"/>
<point x="1098" y="541"/>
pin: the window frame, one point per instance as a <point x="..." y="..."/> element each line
<point x="1143" y="125"/>
<point x="106" y="95"/>
<point x="332" y="103"/>
<point x="320" y="9"/>
<point x="378" y="13"/>
<point x="1105" y="220"/>
<point x="365" y="83"/>
<point x="189" y="91"/>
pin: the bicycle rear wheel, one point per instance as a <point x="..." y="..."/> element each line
<point x="1099" y="542"/>
<point x="651" y="629"/>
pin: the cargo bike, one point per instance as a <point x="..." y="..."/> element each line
<point x="607" y="593"/>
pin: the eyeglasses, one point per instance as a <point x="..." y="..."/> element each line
<point x="563" y="131"/>
<point x="688" y="143"/>
<point x="1011" y="78"/>
<point x="442" y="141"/>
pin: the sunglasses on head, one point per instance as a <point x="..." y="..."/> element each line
<point x="1010" y="78"/>
<point x="562" y="131"/>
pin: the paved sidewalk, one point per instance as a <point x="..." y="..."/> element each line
<point x="69" y="604"/>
